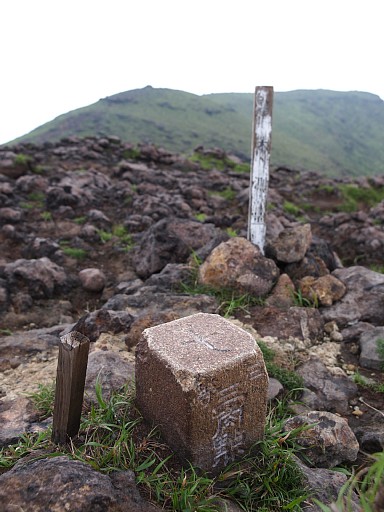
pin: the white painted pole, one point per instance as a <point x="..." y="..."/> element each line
<point x="261" y="148"/>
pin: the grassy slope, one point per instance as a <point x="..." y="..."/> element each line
<point x="333" y="132"/>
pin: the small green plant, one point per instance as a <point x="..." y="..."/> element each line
<point x="208" y="162"/>
<point x="355" y="196"/>
<point x="105" y="236"/>
<point x="131" y="153"/>
<point x="380" y="350"/>
<point x="291" y="208"/>
<point x="44" y="399"/>
<point x="80" y="220"/>
<point x="365" y="484"/>
<point x="304" y="302"/>
<point x="291" y="381"/>
<point x="74" y="252"/>
<point x="118" y="231"/>
<point x="231" y="232"/>
<point x="242" y="168"/>
<point x="46" y="216"/>
<point x="360" y="380"/>
<point x="35" y="200"/>
<point x="228" y="194"/>
<point x="327" y="188"/>
<point x="377" y="268"/>
<point x="22" y="159"/>
<point x="6" y="332"/>
<point x="201" y="217"/>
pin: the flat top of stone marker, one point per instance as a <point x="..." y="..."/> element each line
<point x="200" y="342"/>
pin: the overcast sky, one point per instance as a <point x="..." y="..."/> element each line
<point x="59" y="55"/>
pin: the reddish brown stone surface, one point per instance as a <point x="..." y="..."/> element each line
<point x="203" y="381"/>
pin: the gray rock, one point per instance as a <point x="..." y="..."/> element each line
<point x="10" y="215"/>
<point x="92" y="279"/>
<point x="332" y="391"/>
<point x="59" y="483"/>
<point x="291" y="244"/>
<point x="15" y="419"/>
<point x="274" y="388"/>
<point x="171" y="276"/>
<point x="4" y="296"/>
<point x="302" y="323"/>
<point x="31" y="342"/>
<point x="40" y="277"/>
<point x="170" y="240"/>
<point x="370" y="437"/>
<point x="370" y="356"/>
<point x="103" y="320"/>
<point x="40" y="247"/>
<point x="363" y="300"/>
<point x="110" y="369"/>
<point x="352" y="333"/>
<point x="324" y="485"/>
<point x="328" y="441"/>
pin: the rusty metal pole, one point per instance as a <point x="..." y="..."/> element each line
<point x="261" y="148"/>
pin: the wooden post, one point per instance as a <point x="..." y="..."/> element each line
<point x="261" y="148"/>
<point x="70" y="382"/>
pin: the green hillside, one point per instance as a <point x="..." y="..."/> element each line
<point x="337" y="133"/>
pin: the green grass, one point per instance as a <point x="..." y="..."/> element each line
<point x="113" y="437"/>
<point x="74" y="252"/>
<point x="355" y="196"/>
<point x="377" y="268"/>
<point x="80" y="220"/>
<point x="120" y="232"/>
<point x="201" y="217"/>
<point x="291" y="208"/>
<point x="229" y="301"/>
<point x="231" y="232"/>
<point x="6" y="332"/>
<point x="305" y="302"/>
<point x="46" y="216"/>
<point x="365" y="484"/>
<point x="22" y="159"/>
<point x="380" y="350"/>
<point x="228" y="194"/>
<point x="43" y="399"/>
<point x="289" y="379"/>
<point x="363" y="382"/>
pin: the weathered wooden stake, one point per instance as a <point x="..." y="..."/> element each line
<point x="70" y="382"/>
<point x="261" y="148"/>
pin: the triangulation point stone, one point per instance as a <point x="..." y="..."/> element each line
<point x="203" y="381"/>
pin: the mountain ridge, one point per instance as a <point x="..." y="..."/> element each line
<point x="336" y="133"/>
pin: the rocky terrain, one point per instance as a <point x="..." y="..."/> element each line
<point x="125" y="237"/>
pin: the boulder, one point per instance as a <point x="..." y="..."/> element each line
<point x="291" y="244"/>
<point x="363" y="300"/>
<point x="332" y="391"/>
<point x="108" y="368"/>
<point x="92" y="279"/>
<point x="239" y="265"/>
<point x="328" y="441"/>
<point x="41" y="277"/>
<point x="296" y="322"/>
<point x="67" y="484"/>
<point x="324" y="290"/>
<point x="170" y="240"/>
<point x="370" y="342"/>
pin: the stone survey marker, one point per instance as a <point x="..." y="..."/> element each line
<point x="203" y="381"/>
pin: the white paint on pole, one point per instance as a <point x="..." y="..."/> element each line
<point x="261" y="148"/>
